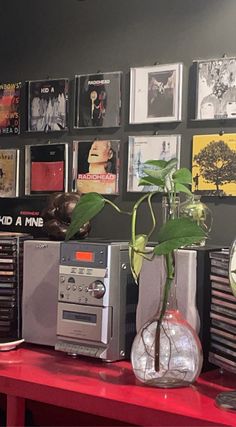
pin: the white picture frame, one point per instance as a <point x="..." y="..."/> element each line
<point x="216" y="89"/>
<point x="156" y="94"/>
<point x="143" y="148"/>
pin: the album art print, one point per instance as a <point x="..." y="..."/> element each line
<point x="143" y="148"/>
<point x="98" y="100"/>
<point x="47" y="105"/>
<point x="46" y="168"/>
<point x="216" y="89"/>
<point x="9" y="172"/>
<point x="156" y="93"/>
<point x="96" y="166"/>
<point x="213" y="165"/>
<point x="10" y="108"/>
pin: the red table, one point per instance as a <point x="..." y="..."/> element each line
<point x="108" y="390"/>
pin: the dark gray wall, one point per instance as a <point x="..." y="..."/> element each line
<point x="61" y="38"/>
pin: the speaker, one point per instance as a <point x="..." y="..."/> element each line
<point x="40" y="291"/>
<point x="193" y="291"/>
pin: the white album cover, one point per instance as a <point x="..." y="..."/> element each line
<point x="144" y="148"/>
<point x="156" y="93"/>
<point x="216" y="89"/>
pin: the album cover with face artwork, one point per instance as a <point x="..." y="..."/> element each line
<point x="46" y="169"/>
<point x="96" y="166"/>
<point x="47" y="105"/>
<point x="98" y="100"/>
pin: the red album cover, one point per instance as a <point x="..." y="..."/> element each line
<point x="47" y="176"/>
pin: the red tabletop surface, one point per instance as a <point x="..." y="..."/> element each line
<point x="111" y="390"/>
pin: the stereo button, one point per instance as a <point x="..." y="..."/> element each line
<point x="97" y="289"/>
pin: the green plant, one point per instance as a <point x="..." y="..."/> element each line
<point x="173" y="234"/>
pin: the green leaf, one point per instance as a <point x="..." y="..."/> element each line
<point x="151" y="181"/>
<point x="171" y="164"/>
<point x="177" y="233"/>
<point x="170" y="245"/>
<point x="136" y="250"/>
<point x="180" y="188"/>
<point x="182" y="176"/>
<point x="161" y="172"/>
<point x="88" y="206"/>
<point x="154" y="173"/>
<point x="161" y="164"/>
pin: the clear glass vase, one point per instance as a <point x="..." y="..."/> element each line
<point x="199" y="212"/>
<point x="167" y="353"/>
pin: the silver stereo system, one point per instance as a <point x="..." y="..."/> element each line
<point x="97" y="300"/>
<point x="40" y="288"/>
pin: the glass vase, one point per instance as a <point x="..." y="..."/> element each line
<point x="167" y="353"/>
<point x="197" y="211"/>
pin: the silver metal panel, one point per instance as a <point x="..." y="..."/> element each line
<point x="99" y="331"/>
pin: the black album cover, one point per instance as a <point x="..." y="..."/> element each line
<point x="47" y="105"/>
<point x="98" y="100"/>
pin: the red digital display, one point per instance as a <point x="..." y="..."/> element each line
<point x="84" y="256"/>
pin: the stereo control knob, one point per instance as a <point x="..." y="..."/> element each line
<point x="97" y="289"/>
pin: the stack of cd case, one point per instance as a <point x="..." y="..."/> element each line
<point x="223" y="313"/>
<point x="11" y="281"/>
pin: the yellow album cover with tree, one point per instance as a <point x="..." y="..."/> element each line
<point x="9" y="173"/>
<point x="214" y="164"/>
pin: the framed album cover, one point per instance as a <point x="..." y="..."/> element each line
<point x="10" y="108"/>
<point x="46" y="168"/>
<point x="144" y="148"/>
<point x="216" y="89"/>
<point x="213" y="165"/>
<point x="156" y="93"/>
<point x="98" y="100"/>
<point x="47" y="105"/>
<point x="96" y="166"/>
<point x="9" y="172"/>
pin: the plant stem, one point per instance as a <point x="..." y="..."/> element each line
<point x="134" y="213"/>
<point x="117" y="208"/>
<point x="169" y="278"/>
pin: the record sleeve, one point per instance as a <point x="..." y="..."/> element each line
<point x="143" y="148"/>
<point x="216" y="89"/>
<point x="9" y="173"/>
<point x="213" y="164"/>
<point x="96" y="166"/>
<point x="156" y="93"/>
<point x="10" y="108"/>
<point x="47" y="105"/>
<point x="98" y="100"/>
<point x="46" y="168"/>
